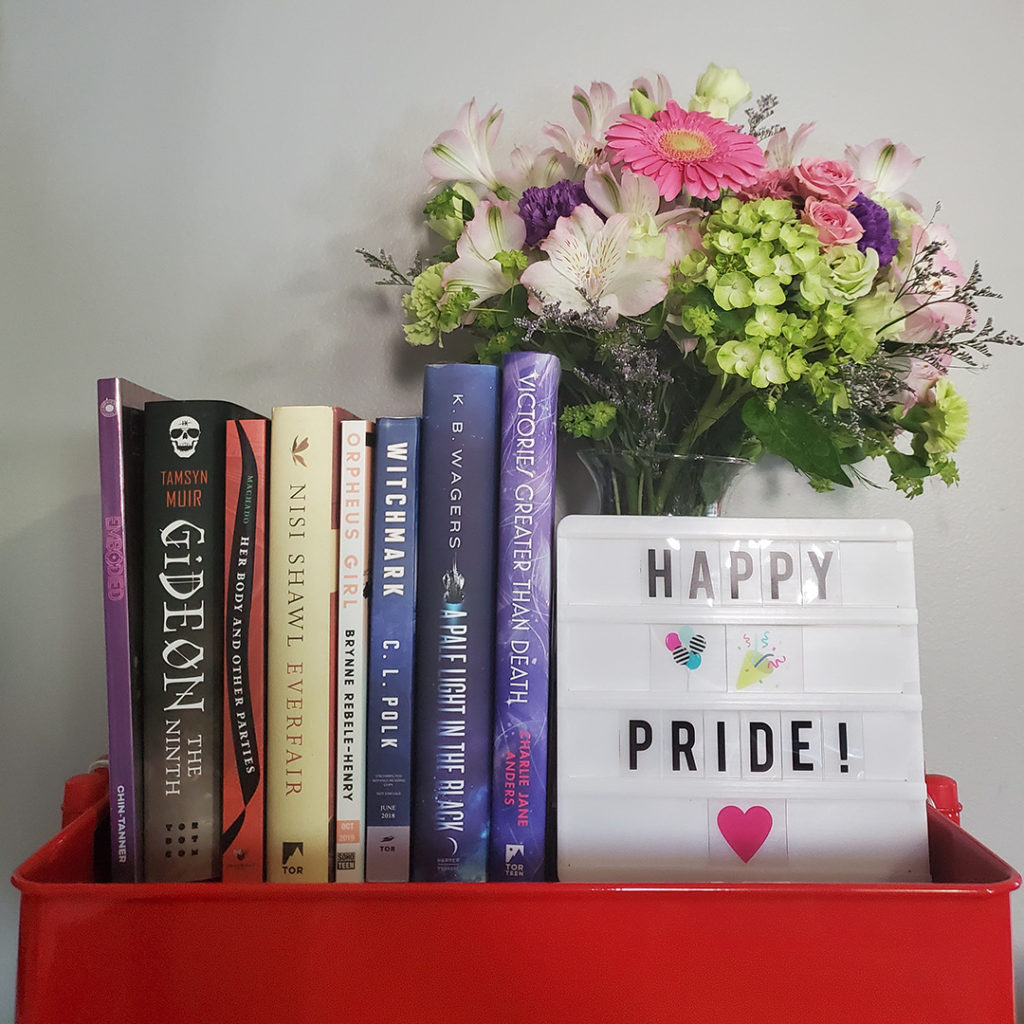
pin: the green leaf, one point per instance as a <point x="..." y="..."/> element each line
<point x="792" y="432"/>
<point x="518" y="301"/>
<point x="656" y="324"/>
<point x="905" y="465"/>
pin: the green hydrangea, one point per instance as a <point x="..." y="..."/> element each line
<point x="596" y="420"/>
<point x="432" y="309"/>
<point x="512" y="261"/>
<point x="700" y="320"/>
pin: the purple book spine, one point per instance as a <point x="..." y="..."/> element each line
<point x="455" y="623"/>
<point x="120" y="450"/>
<point x="526" y="505"/>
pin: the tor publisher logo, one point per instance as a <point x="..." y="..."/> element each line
<point x="291" y="858"/>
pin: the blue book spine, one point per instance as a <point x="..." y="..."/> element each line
<point x="390" y="658"/>
<point x="526" y="511"/>
<point x="455" y="622"/>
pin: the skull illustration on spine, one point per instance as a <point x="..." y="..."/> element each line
<point x="184" y="434"/>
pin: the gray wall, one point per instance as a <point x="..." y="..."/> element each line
<point x="183" y="185"/>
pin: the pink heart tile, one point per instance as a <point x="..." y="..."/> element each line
<point x="745" y="831"/>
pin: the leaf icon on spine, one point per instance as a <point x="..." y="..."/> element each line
<point x="686" y="647"/>
<point x="299" y="446"/>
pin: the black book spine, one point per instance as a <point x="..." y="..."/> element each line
<point x="183" y="637"/>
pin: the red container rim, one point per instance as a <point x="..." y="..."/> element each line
<point x="960" y="864"/>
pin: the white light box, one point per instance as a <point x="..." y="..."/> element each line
<point x="738" y="700"/>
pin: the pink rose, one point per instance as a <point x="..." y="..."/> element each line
<point x="772" y="183"/>
<point x="832" y="180"/>
<point x="836" y="225"/>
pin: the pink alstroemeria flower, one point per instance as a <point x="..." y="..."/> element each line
<point x="532" y="169"/>
<point x="595" y="111"/>
<point x="637" y="197"/>
<point x="463" y="153"/>
<point x="589" y="265"/>
<point x="932" y="305"/>
<point x="495" y="227"/>
<point x="920" y="379"/>
<point x="782" y="152"/>
<point x="659" y="92"/>
<point x="884" y="164"/>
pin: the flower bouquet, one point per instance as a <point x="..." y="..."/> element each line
<point x="709" y="289"/>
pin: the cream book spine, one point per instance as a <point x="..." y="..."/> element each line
<point x="302" y="604"/>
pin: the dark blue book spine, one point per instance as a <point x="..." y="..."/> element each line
<point x="526" y="509"/>
<point x="390" y="659"/>
<point x="455" y="618"/>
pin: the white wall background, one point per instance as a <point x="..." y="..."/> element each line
<point x="183" y="186"/>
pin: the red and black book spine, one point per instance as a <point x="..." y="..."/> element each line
<point x="245" y="663"/>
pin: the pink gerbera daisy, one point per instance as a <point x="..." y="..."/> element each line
<point x="686" y="149"/>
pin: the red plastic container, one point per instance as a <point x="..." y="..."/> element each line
<point x="146" y="954"/>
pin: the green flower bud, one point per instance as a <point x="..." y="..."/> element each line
<point x="449" y="211"/>
<point x="640" y="103"/>
<point x="720" y="91"/>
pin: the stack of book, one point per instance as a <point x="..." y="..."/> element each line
<point x="328" y="637"/>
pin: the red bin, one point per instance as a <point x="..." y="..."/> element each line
<point x="720" y="953"/>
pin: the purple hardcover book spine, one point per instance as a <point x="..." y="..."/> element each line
<point x="455" y="623"/>
<point x="120" y="446"/>
<point x="526" y="508"/>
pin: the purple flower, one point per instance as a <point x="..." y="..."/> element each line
<point x="540" y="208"/>
<point x="874" y="219"/>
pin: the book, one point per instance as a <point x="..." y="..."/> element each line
<point x="183" y="488"/>
<point x="390" y="657"/>
<point x="120" y="433"/>
<point x="526" y="509"/>
<point x="455" y="629"/>
<point x="245" y="679"/>
<point x="356" y="474"/>
<point x="302" y="621"/>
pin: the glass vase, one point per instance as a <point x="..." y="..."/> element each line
<point x="661" y="483"/>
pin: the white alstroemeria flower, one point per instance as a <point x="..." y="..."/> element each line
<point x="638" y="198"/>
<point x="884" y="163"/>
<point x="589" y="265"/>
<point x="495" y="227"/>
<point x="463" y="153"/>
<point x="781" y="152"/>
<point x="531" y="169"/>
<point x="596" y="111"/>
